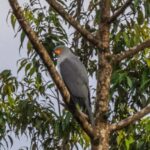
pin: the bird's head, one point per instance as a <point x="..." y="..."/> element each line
<point x="61" y="50"/>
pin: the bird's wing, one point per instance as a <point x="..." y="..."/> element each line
<point x="75" y="77"/>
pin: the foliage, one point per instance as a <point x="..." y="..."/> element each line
<point x="32" y="105"/>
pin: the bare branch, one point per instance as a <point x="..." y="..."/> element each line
<point x="131" y="51"/>
<point x="85" y="33"/>
<point x="120" y="11"/>
<point x="40" y="49"/>
<point x="131" y="119"/>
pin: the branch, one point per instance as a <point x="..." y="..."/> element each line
<point x="40" y="49"/>
<point x="92" y="6"/>
<point x="85" y="33"/>
<point x="120" y="11"/>
<point x="131" y="51"/>
<point x="131" y="119"/>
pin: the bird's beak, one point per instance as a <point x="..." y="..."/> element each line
<point x="57" y="51"/>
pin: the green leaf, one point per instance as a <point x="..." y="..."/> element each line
<point x="13" y="21"/>
<point x="11" y="140"/>
<point x="147" y="8"/>
<point x="32" y="71"/>
<point x="145" y="80"/>
<point x="120" y="137"/>
<point x="136" y="2"/>
<point x="128" y="142"/>
<point x="28" y="66"/>
<point x="147" y="61"/>
<point x="11" y="100"/>
<point x="5" y="73"/>
<point x="29" y="47"/>
<point x="22" y="64"/>
<point x="126" y="38"/>
<point x="122" y="76"/>
<point x="140" y="18"/>
<point x="129" y="81"/>
<point x="22" y="37"/>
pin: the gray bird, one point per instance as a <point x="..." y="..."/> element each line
<point x="75" y="78"/>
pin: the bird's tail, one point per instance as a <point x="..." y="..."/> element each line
<point x="89" y="112"/>
<point x="85" y="106"/>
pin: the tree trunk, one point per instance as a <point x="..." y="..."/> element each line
<point x="103" y="81"/>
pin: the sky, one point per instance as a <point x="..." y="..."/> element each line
<point x="9" y="47"/>
<point x="8" y="44"/>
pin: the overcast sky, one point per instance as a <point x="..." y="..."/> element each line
<point x="9" y="53"/>
<point x="8" y="44"/>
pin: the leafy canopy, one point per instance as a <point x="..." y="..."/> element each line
<point x="32" y="105"/>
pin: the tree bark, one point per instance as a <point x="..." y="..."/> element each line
<point x="103" y="81"/>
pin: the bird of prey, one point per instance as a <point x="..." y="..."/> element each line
<point x="75" y="78"/>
